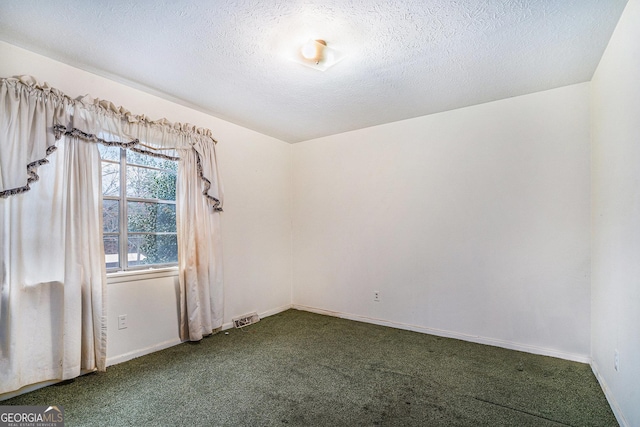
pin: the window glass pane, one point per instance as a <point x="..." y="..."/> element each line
<point x="152" y="225"/>
<point x="150" y="184"/>
<point x="110" y="216"/>
<point x="141" y="159"/>
<point x="145" y="249"/>
<point x="111" y="251"/>
<point x="151" y="217"/>
<point x="109" y="153"/>
<point x="110" y="179"/>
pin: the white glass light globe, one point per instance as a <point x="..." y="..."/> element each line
<point x="309" y="50"/>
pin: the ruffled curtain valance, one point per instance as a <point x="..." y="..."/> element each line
<point x="52" y="263"/>
<point x="43" y="114"/>
<point x="29" y="110"/>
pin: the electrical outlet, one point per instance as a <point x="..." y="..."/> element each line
<point x="376" y="296"/>
<point x="616" y="361"/>
<point x="122" y="321"/>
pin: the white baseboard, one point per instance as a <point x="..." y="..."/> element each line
<point x="610" y="398"/>
<point x="27" y="389"/>
<point x="114" y="360"/>
<point x="36" y="386"/>
<point x="449" y="334"/>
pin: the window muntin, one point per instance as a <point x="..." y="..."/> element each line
<point x="139" y="212"/>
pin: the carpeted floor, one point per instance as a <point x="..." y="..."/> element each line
<point x="303" y="369"/>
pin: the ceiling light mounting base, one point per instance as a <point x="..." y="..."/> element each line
<point x="316" y="54"/>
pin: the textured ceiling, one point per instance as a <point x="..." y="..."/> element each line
<point x="404" y="58"/>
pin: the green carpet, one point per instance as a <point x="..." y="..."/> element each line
<point x="303" y="369"/>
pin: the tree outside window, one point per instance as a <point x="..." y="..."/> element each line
<point x="139" y="210"/>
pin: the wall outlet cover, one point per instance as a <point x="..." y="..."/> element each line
<point x="122" y="321"/>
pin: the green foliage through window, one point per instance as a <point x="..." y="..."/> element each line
<point x="139" y="211"/>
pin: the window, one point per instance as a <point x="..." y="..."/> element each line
<point x="139" y="210"/>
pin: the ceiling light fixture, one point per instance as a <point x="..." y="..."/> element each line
<point x="316" y="54"/>
<point x="313" y="50"/>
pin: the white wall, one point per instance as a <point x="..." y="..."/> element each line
<point x="472" y="223"/>
<point x="616" y="217"/>
<point x="256" y="224"/>
<point x="150" y="302"/>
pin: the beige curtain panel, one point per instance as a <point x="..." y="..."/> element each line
<point x="52" y="277"/>
<point x="52" y="271"/>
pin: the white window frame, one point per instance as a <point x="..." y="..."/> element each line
<point x="123" y="227"/>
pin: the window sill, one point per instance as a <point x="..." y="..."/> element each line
<point x="135" y="275"/>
